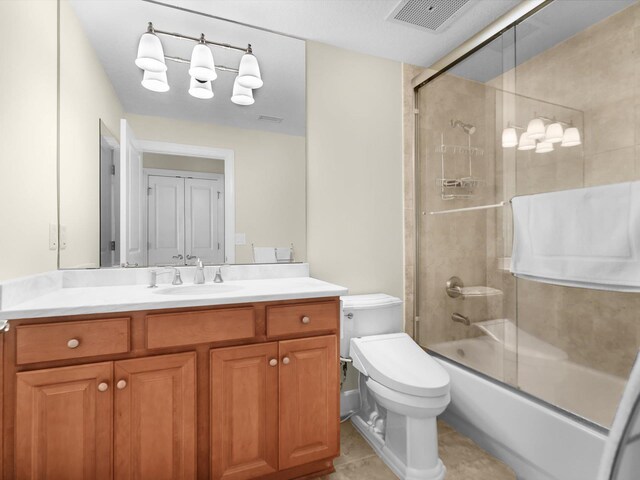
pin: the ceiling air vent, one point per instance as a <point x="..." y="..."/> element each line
<point x="267" y="118"/>
<point x="430" y="15"/>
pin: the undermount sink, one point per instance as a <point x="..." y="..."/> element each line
<point x="211" y="289"/>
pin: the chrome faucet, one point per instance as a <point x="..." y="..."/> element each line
<point x="153" y="276"/>
<point x="218" y="277"/>
<point x="199" y="277"/>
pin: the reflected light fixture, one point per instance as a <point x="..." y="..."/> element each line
<point x="150" y="53"/>
<point x="536" y="129"/>
<point x="544" y="147"/>
<point x="526" y="142"/>
<point x="554" y="133"/>
<point x="571" y="137"/>
<point x="202" y="68"/>
<point x="241" y="95"/>
<point x="509" y="137"/>
<point x="200" y="88"/>
<point x="155" y="81"/>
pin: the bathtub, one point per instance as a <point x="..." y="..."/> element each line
<point x="537" y="440"/>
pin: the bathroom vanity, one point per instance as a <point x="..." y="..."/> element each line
<point x="230" y="389"/>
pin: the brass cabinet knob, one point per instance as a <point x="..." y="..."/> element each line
<point x="103" y="387"/>
<point x="273" y="362"/>
<point x="73" y="343"/>
<point x="121" y="384"/>
<point x="286" y="360"/>
<point x="306" y="320"/>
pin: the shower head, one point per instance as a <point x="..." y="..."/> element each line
<point x="467" y="127"/>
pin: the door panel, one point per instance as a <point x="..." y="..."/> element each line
<point x="309" y="400"/>
<point x="155" y="433"/>
<point x="64" y="423"/>
<point x="166" y="220"/>
<point x="244" y="411"/>
<point x="204" y="224"/>
<point x="133" y="249"/>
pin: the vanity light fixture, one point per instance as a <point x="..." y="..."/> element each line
<point x="241" y="95"/>
<point x="202" y="68"/>
<point x="554" y="133"/>
<point x="155" y="81"/>
<point x="541" y="133"/>
<point x="544" y="147"/>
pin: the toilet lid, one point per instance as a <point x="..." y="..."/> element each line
<point x="397" y="362"/>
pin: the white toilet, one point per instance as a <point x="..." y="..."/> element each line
<point x="402" y="389"/>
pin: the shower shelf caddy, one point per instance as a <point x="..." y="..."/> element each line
<point x="460" y="187"/>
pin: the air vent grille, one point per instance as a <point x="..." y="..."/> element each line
<point x="433" y="15"/>
<point x="268" y="118"/>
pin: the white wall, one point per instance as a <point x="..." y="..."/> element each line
<point x="269" y="177"/>
<point x="28" y="114"/>
<point x="86" y="96"/>
<point x="354" y="179"/>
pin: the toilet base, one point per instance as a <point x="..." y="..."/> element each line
<point x="396" y="465"/>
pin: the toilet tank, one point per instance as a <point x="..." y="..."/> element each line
<point x="364" y="315"/>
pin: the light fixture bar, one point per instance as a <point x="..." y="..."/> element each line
<point x="222" y="68"/>
<point x="246" y="49"/>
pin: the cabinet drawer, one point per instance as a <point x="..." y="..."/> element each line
<point x="302" y="318"/>
<point x="207" y="326"/>
<point x="61" y="341"/>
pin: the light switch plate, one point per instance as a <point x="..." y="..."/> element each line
<point x="241" y="238"/>
<point x="53" y="236"/>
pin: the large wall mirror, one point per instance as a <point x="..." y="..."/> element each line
<point x="160" y="175"/>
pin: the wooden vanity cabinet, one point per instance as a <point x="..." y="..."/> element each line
<point x="226" y="397"/>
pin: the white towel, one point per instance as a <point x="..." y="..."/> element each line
<point x="264" y="255"/>
<point x="622" y="430"/>
<point x="588" y="237"/>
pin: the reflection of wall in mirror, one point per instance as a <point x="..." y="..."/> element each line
<point x="86" y="97"/>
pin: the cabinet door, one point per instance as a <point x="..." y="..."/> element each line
<point x="244" y="411"/>
<point x="64" y="421"/>
<point x="155" y="426"/>
<point x="309" y="400"/>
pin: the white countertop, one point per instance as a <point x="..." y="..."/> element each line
<point x="78" y="300"/>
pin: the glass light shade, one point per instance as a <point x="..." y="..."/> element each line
<point x="155" y="81"/>
<point x="202" y="66"/>
<point x="509" y="138"/>
<point x="535" y="129"/>
<point x="150" y="54"/>
<point x="249" y="72"/>
<point x="526" y="142"/>
<point x="200" y="89"/>
<point x="241" y="95"/>
<point x="544" y="147"/>
<point x="571" y="137"/>
<point x="554" y="133"/>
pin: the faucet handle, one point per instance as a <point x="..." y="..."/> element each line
<point x="218" y="277"/>
<point x="177" y="279"/>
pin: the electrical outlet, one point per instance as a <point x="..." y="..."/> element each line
<point x="53" y="236"/>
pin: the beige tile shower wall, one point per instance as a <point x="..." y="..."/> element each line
<point x="28" y="103"/>
<point x="269" y="177"/>
<point x="86" y="97"/>
<point x="454" y="243"/>
<point x="354" y="180"/>
<point x="596" y="74"/>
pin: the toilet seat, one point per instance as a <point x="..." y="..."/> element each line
<point x="398" y="363"/>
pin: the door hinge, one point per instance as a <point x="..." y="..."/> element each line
<point x="218" y="245"/>
<point x="112" y="245"/>
<point x="113" y="169"/>
<point x="218" y="195"/>
<point x="149" y="189"/>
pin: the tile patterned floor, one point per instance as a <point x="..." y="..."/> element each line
<point x="463" y="458"/>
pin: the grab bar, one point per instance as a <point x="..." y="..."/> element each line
<point x="468" y="209"/>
